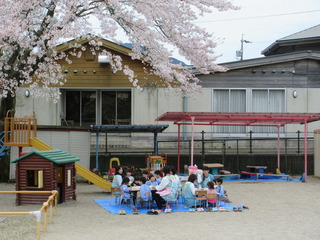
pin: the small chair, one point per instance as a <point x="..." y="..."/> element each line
<point x="211" y="196"/>
<point x="201" y="195"/>
<point x="223" y="199"/>
<point x="115" y="191"/>
<point x="148" y="194"/>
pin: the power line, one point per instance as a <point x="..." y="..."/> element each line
<point x="266" y="16"/>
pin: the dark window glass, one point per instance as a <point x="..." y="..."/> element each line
<point x="81" y="108"/>
<point x="88" y="107"/>
<point x="73" y="107"/>
<point x="124" y="108"/>
<point x="116" y="107"/>
<point x="109" y="108"/>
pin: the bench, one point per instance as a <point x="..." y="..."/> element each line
<point x="228" y="175"/>
<point x="273" y="175"/>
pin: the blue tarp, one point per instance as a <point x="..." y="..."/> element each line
<point x="110" y="205"/>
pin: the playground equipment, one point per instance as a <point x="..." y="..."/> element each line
<point x="52" y="201"/>
<point x="22" y="132"/>
<point x="156" y="162"/>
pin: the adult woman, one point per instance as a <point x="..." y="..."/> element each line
<point x="189" y="191"/>
<point x="166" y="190"/>
<point x="117" y="179"/>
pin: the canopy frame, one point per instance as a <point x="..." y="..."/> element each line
<point x="155" y="129"/>
<point x="241" y="119"/>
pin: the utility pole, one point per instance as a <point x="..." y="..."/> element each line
<point x="239" y="53"/>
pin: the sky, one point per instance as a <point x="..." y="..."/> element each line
<point x="261" y="22"/>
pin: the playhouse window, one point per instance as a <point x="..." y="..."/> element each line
<point x="35" y="178"/>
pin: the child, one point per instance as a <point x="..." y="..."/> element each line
<point x="158" y="177"/>
<point x="212" y="201"/>
<point x="189" y="191"/>
<point x="219" y="188"/>
<point x="128" y="175"/>
<point x="145" y="175"/>
<point x="152" y="181"/>
<point x="220" y="191"/>
<point x="145" y="192"/>
<point x="125" y="192"/>
<point x="136" y="181"/>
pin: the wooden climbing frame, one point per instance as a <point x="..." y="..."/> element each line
<point x="19" y="131"/>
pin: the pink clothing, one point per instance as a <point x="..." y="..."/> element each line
<point x="212" y="200"/>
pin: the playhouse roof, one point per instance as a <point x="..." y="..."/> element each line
<point x="56" y="156"/>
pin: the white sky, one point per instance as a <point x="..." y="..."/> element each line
<point x="261" y="21"/>
<point x="261" y="31"/>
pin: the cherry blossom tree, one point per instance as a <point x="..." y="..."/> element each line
<point x="31" y="29"/>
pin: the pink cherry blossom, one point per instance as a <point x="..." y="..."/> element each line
<point x="31" y="29"/>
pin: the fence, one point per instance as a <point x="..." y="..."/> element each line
<point x="51" y="199"/>
<point x="236" y="154"/>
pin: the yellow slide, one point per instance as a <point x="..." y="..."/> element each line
<point x="81" y="170"/>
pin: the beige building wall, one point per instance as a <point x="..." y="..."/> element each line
<point x="307" y="101"/>
<point x="47" y="112"/>
<point x="317" y="153"/>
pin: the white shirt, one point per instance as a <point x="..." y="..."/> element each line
<point x="193" y="189"/>
<point x="164" y="182"/>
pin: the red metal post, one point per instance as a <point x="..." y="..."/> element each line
<point x="305" y="151"/>
<point x="278" y="147"/>
<point x="192" y="138"/>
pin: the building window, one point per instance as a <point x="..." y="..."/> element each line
<point x="116" y="107"/>
<point x="35" y="178"/>
<point x="85" y="108"/>
<point x="229" y="100"/>
<point x="81" y="108"/>
<point x="267" y="100"/>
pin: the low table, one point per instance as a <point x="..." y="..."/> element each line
<point x="214" y="167"/>
<point x="255" y="169"/>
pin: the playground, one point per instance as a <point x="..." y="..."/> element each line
<point x="278" y="210"/>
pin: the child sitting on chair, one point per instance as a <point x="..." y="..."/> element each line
<point x="222" y="194"/>
<point x="145" y="191"/>
<point x="125" y="192"/>
<point x="158" y="177"/>
<point x="152" y="181"/>
<point x="136" y="181"/>
<point x="211" y="201"/>
<point x="145" y="175"/>
<point x="129" y="175"/>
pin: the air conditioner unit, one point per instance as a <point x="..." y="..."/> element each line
<point x="104" y="59"/>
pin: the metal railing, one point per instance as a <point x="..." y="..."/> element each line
<point x="52" y="199"/>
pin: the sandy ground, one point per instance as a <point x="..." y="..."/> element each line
<point x="278" y="210"/>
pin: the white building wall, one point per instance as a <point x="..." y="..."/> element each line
<point x="74" y="142"/>
<point x="47" y="112"/>
<point x="307" y="101"/>
<point x="147" y="106"/>
<point x="317" y="153"/>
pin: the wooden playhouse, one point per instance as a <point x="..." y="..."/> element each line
<point x="45" y="171"/>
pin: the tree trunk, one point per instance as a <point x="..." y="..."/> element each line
<point x="6" y="105"/>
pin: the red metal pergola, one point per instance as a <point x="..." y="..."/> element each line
<point x="240" y="119"/>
